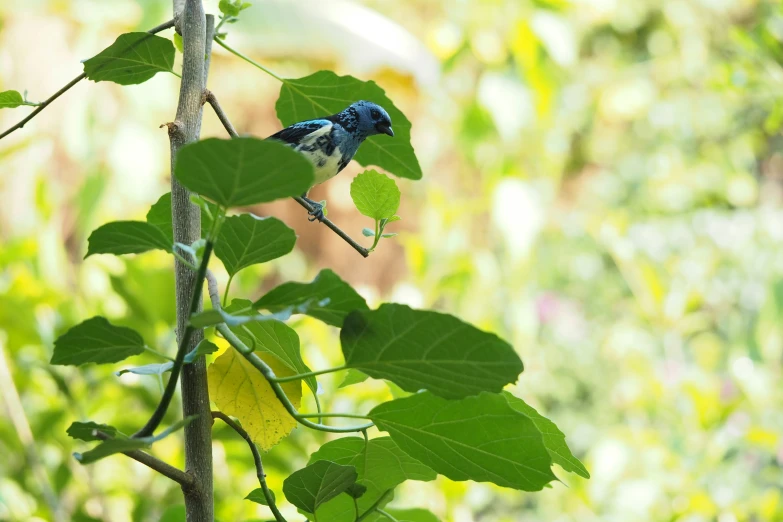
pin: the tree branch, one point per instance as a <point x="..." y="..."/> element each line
<point x="165" y="469"/>
<point x="267" y="372"/>
<point x="270" y="499"/>
<point x="70" y="84"/>
<point x="209" y="97"/>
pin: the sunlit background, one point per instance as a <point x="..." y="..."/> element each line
<point x="602" y="187"/>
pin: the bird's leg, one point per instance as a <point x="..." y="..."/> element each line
<point x="318" y="209"/>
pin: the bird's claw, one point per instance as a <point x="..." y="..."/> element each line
<point x="317" y="213"/>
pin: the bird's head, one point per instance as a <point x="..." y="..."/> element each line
<point x="372" y="119"/>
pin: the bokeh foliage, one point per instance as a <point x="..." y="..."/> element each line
<point x="603" y="189"/>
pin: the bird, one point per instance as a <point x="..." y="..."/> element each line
<point x="330" y="142"/>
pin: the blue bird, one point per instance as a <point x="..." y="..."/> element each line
<point x="331" y="142"/>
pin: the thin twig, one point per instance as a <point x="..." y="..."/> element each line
<point x="171" y="386"/>
<point x="70" y="84"/>
<point x="167" y="470"/>
<point x="209" y="97"/>
<point x="267" y="372"/>
<point x="270" y="499"/>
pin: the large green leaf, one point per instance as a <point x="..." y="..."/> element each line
<point x="317" y="483"/>
<point x="335" y="298"/>
<point x="382" y="467"/>
<point x="418" y="349"/>
<point x="98" y="341"/>
<point x="554" y="439"/>
<point x="273" y="337"/>
<point x="132" y="58"/>
<point x="478" y="438"/>
<point x="159" y="216"/>
<point x="10" y="99"/>
<point x="243" y="171"/>
<point x="247" y="240"/>
<point x="127" y="237"/>
<point x="324" y="93"/>
<point x="375" y="195"/>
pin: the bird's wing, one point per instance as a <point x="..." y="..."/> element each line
<point x="298" y="131"/>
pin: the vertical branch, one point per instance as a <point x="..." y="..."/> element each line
<point x="186" y="219"/>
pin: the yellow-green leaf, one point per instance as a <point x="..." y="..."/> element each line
<point x="241" y="391"/>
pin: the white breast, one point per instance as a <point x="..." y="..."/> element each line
<point x="325" y="166"/>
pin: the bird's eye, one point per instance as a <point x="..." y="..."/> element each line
<point x="375" y="114"/>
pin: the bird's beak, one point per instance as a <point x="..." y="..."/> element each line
<point x="384" y="129"/>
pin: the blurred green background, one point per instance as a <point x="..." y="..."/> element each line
<point x="603" y="185"/>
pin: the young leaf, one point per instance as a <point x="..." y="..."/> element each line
<point x="10" y="99"/>
<point x="118" y="445"/>
<point x="133" y="58"/>
<point x="243" y="171"/>
<point x="232" y="8"/>
<point x="375" y="195"/>
<point x="126" y="237"/>
<point x="368" y="232"/>
<point x="97" y="341"/>
<point x="325" y="93"/>
<point x="257" y="496"/>
<point x="241" y="391"/>
<point x="148" y="369"/>
<point x="554" y="439"/>
<point x="335" y="298"/>
<point x="178" y="43"/>
<point x="84" y="430"/>
<point x="110" y="447"/>
<point x="203" y="348"/>
<point x="353" y="377"/>
<point x="247" y="240"/>
<point x="419" y="349"/>
<point x="478" y="438"/>
<point x="310" y="487"/>
<point x="275" y="338"/>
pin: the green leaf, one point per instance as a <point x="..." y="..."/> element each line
<point x="178" y="43"/>
<point x="126" y="237"/>
<point x="391" y="234"/>
<point x="554" y="439"/>
<point x="243" y="171"/>
<point x="110" y="447"/>
<point x="148" y="369"/>
<point x="159" y="216"/>
<point x="84" y="430"/>
<point x="413" y="515"/>
<point x="356" y="491"/>
<point x="257" y="496"/>
<point x="118" y="445"/>
<point x="336" y="299"/>
<point x="317" y="483"/>
<point x="478" y="438"/>
<point x="325" y="93"/>
<point x="247" y="240"/>
<point x="10" y="99"/>
<point x="368" y="232"/>
<point x="353" y="377"/>
<point x="419" y="349"/>
<point x="383" y="467"/>
<point x="202" y="348"/>
<point x="97" y="341"/>
<point x="375" y="195"/>
<point x="275" y="338"/>
<point x="133" y="58"/>
<point x="229" y="8"/>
